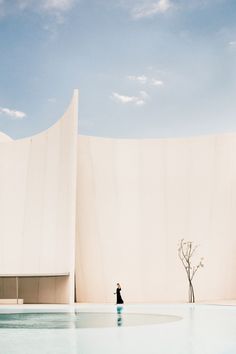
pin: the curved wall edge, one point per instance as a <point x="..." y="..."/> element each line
<point x="37" y="204"/>
<point x="5" y="138"/>
<point x="107" y="210"/>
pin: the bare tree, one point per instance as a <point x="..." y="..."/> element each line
<point x="186" y="250"/>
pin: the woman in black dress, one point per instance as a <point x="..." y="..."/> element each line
<point x="119" y="299"/>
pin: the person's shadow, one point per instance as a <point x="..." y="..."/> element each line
<point x="119" y="310"/>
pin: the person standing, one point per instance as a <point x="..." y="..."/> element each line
<point x="119" y="299"/>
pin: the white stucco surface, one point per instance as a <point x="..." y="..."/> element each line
<point x="137" y="199"/>
<point x="37" y="204"/>
<point x="114" y="210"/>
<point x="4" y="137"/>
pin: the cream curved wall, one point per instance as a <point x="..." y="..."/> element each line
<point x="136" y="199"/>
<point x="4" y="137"/>
<point x="128" y="202"/>
<point x="37" y="200"/>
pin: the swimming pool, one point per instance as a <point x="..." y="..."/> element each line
<point x="78" y="320"/>
<point x="179" y="329"/>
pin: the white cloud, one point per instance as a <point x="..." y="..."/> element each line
<point x="144" y="94"/>
<point x="123" y="99"/>
<point x="155" y="82"/>
<point x="136" y="100"/>
<point x="151" y="8"/>
<point x="52" y="100"/>
<point x="140" y="9"/>
<point x="11" y="113"/>
<point x="54" y="8"/>
<point x="142" y="79"/>
<point x="57" y="5"/>
<point x="232" y="44"/>
<point x="142" y="98"/>
<point x="45" y="5"/>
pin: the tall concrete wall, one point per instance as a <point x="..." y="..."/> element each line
<point x="137" y="199"/>
<point x="38" y="200"/>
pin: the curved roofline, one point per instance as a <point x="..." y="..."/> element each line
<point x="74" y="97"/>
<point x="181" y="138"/>
<point x="4" y="138"/>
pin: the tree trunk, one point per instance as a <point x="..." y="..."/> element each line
<point x="191" y="295"/>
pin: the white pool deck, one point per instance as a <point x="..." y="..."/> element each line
<point x="204" y="329"/>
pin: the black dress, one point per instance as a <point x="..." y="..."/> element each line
<point x="119" y="299"/>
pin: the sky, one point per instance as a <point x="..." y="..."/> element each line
<point x="144" y="68"/>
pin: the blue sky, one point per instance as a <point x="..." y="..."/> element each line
<point x="144" y="68"/>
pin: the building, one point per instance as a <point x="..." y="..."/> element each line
<point x="80" y="213"/>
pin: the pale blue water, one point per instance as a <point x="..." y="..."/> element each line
<point x="202" y="330"/>
<point x="79" y="320"/>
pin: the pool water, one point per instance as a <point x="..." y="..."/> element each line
<point x="80" y="320"/>
<point x="145" y="329"/>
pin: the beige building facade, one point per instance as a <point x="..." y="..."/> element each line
<point x="37" y="212"/>
<point x="79" y="214"/>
